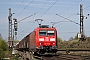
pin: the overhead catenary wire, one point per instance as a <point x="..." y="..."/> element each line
<point x="67" y="32"/>
<point x="19" y="5"/>
<point x="68" y="19"/>
<point x="42" y="6"/>
<point x="86" y="7"/>
<point x="26" y="17"/>
<point x="24" y="31"/>
<point x="25" y="8"/>
<point x="71" y="6"/>
<point x="71" y="32"/>
<point x="3" y="29"/>
<point x="32" y="15"/>
<point x="76" y="14"/>
<point x="49" y="8"/>
<point x="71" y="20"/>
<point x="28" y="26"/>
<point x="66" y="10"/>
<point x="70" y="15"/>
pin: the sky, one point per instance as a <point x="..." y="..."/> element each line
<point x="46" y="10"/>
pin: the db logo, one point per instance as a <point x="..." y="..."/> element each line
<point x="46" y="39"/>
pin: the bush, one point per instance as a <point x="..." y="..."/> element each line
<point x="3" y="48"/>
<point x="1" y="54"/>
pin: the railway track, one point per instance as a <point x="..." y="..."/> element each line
<point x="62" y="57"/>
<point x="57" y="56"/>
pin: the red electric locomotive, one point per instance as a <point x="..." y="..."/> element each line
<point x="42" y="39"/>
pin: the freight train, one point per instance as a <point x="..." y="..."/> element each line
<point x="42" y="40"/>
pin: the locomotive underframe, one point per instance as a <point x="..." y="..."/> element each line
<point x="47" y="49"/>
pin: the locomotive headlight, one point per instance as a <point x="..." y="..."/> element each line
<point x="41" y="39"/>
<point x="40" y="43"/>
<point x="52" y="39"/>
<point x="53" y="43"/>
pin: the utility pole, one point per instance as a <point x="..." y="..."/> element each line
<point x="81" y="23"/>
<point x="10" y="30"/>
<point x="10" y="40"/>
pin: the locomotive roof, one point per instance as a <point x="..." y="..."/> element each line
<point x="44" y="26"/>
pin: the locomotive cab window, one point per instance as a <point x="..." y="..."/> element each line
<point x="42" y="32"/>
<point x="50" y="33"/>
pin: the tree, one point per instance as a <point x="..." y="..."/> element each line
<point x="4" y="45"/>
<point x="0" y="36"/>
<point x="1" y="53"/>
<point x="59" y="40"/>
<point x="71" y="38"/>
<point x="76" y="37"/>
<point x="3" y="48"/>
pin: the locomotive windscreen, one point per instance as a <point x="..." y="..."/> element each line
<point x="50" y="33"/>
<point x="46" y="33"/>
<point x="42" y="32"/>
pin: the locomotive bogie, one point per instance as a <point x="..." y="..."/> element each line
<point x="48" y="49"/>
